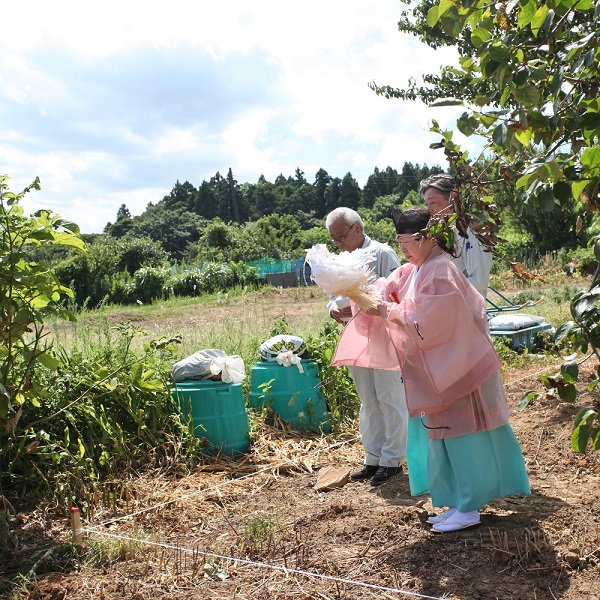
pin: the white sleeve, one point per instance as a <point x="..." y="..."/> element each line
<point x="387" y="261"/>
<point x="478" y="263"/>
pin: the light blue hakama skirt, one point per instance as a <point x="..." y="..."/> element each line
<point x="467" y="471"/>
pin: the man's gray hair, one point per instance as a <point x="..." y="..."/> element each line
<point x="343" y="213"/>
<point x="442" y="182"/>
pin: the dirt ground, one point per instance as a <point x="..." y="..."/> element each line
<point x="176" y="536"/>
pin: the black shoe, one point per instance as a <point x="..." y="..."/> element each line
<point x="365" y="473"/>
<point x="384" y="473"/>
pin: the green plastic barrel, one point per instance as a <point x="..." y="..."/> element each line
<point x="295" y="397"/>
<point x="218" y="412"/>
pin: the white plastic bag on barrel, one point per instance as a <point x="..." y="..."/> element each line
<point x="231" y="368"/>
<point x="210" y="364"/>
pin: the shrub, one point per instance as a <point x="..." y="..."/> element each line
<point x="187" y="283"/>
<point x="149" y="284"/>
<point x="108" y="410"/>
<point x="337" y="383"/>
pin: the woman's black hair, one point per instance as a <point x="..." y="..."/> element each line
<point x="414" y="220"/>
<point x="411" y="220"/>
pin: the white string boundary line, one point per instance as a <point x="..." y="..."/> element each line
<point x="285" y="570"/>
<point x="214" y="487"/>
<point x="553" y="366"/>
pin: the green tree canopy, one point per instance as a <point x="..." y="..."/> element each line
<point x="528" y="78"/>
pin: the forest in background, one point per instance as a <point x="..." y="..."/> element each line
<point x="201" y="239"/>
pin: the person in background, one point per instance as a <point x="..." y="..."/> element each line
<point x="471" y="256"/>
<point x="383" y="415"/>
<point x="454" y="391"/>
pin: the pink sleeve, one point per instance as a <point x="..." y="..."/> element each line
<point x="444" y="327"/>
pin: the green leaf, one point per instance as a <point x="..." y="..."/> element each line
<point x="451" y="22"/>
<point x="489" y="67"/>
<point x="480" y="36"/>
<point x="49" y="361"/>
<point x="526" y="13"/>
<point x="500" y="54"/>
<point x="570" y="371"/>
<point x="521" y="76"/>
<point x="567" y="393"/>
<point x="433" y="16"/>
<point x="578" y="187"/>
<point x="500" y="134"/>
<point x="528" y="398"/>
<point x="584" y="423"/>
<point x="582" y="304"/>
<point x="136" y="373"/>
<point x="444" y="6"/>
<point x="524" y="136"/>
<point x="446" y="102"/>
<point x="563" y="331"/>
<point x="467" y="124"/>
<point x="590" y="157"/>
<point x="527" y="94"/>
<point x="67" y="239"/>
<point x="538" y="19"/>
<point x="545" y="198"/>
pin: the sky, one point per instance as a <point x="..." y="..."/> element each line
<point x="113" y="102"/>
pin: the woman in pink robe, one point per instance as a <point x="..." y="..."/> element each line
<point x="436" y="326"/>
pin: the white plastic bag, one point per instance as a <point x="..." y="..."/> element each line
<point x="271" y="348"/>
<point x="231" y="368"/>
<point x="287" y="359"/>
<point x="196" y="366"/>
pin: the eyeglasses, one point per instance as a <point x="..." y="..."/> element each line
<point x="341" y="238"/>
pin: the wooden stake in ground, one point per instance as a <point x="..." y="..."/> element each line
<point x="76" y="525"/>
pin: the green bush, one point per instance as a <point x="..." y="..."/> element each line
<point x="108" y="410"/>
<point x="215" y="277"/>
<point x="150" y="284"/>
<point x="337" y="383"/>
<point x="582" y="259"/>
<point x="188" y="283"/>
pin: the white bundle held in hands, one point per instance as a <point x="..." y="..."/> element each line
<point x="346" y="274"/>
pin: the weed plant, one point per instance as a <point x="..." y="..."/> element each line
<point x="108" y="408"/>
<point x="262" y="534"/>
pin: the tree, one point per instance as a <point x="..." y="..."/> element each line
<point x="174" y="229"/>
<point x="321" y="185"/>
<point x="29" y="293"/>
<point x="219" y="242"/>
<point x="262" y="199"/>
<point x="183" y="196"/>
<point x="380" y="183"/>
<point x="214" y="199"/>
<point x="349" y="192"/>
<point x="122" y="225"/>
<point x="528" y="79"/>
<point x="333" y="194"/>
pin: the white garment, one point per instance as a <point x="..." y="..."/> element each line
<point x="472" y="260"/>
<point x="383" y="415"/>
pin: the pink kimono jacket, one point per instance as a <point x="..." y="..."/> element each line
<point x="437" y="335"/>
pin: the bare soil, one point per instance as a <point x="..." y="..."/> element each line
<point x="174" y="536"/>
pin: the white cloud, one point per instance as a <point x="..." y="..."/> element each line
<point x="112" y="102"/>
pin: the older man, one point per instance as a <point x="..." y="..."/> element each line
<point x="471" y="256"/>
<point x="383" y="414"/>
